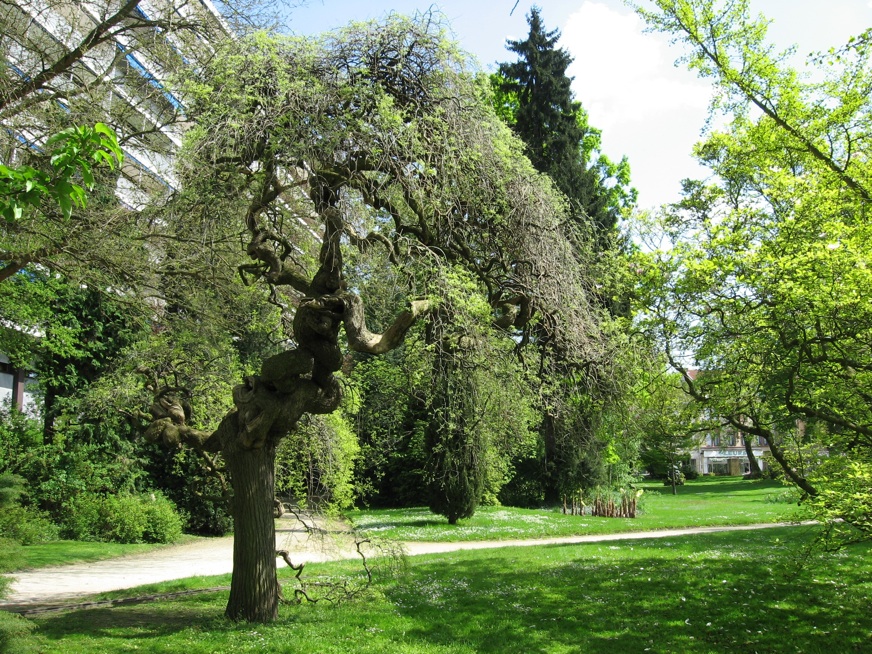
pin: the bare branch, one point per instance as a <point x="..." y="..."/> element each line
<point x="360" y="339"/>
<point x="94" y="37"/>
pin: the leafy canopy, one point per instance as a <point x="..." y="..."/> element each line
<point x="767" y="283"/>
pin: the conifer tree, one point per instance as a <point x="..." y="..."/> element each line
<point x="534" y="96"/>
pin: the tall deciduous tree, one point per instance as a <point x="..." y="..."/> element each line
<point x="382" y="121"/>
<point x="767" y="284"/>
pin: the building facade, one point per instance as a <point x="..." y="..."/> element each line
<point x="725" y="452"/>
<point x="77" y="62"/>
<point x="69" y="62"/>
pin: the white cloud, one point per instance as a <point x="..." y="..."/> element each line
<point x="647" y="108"/>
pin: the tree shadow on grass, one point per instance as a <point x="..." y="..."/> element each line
<point x="140" y="621"/>
<point x="634" y="599"/>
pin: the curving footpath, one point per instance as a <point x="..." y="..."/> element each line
<point x="214" y="556"/>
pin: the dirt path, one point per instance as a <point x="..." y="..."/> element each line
<point x="215" y="556"/>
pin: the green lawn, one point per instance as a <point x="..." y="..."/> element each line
<point x="63" y="552"/>
<point x="708" y="501"/>
<point x="709" y="593"/>
<point x="724" y="592"/>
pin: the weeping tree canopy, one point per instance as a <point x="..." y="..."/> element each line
<point x="379" y="129"/>
<point x="377" y="136"/>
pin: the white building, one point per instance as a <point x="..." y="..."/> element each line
<point x="116" y="55"/>
<point x="108" y="59"/>
<point x="723" y="453"/>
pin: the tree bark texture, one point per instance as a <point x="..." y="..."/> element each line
<point x="792" y="474"/>
<point x="254" y="590"/>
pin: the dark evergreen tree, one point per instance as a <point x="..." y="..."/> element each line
<point x="534" y="96"/>
<point x="545" y="117"/>
<point x="455" y="472"/>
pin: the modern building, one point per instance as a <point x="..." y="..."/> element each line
<point x="78" y="61"/>
<point x="115" y="55"/>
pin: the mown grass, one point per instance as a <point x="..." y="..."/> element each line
<point x="708" y="501"/>
<point x="724" y="592"/>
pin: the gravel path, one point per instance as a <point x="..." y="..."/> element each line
<point x="214" y="556"/>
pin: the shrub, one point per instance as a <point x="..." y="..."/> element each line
<point x="10" y="559"/>
<point x="163" y="522"/>
<point x="27" y="525"/>
<point x="772" y="469"/>
<point x="11" y="488"/>
<point x="788" y="495"/>
<point x="526" y="488"/>
<point x="180" y="476"/>
<point x="122" y="519"/>
<point x="24" y="524"/>
<point x="689" y="470"/>
<point x="82" y="517"/>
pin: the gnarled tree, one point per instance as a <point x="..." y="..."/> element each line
<point x="378" y="130"/>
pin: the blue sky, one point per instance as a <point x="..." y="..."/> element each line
<point x="648" y="109"/>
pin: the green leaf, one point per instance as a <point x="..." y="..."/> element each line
<point x="77" y="195"/>
<point x="61" y="137"/>
<point x="100" y="156"/>
<point x="66" y="205"/>
<point x="103" y="128"/>
<point x="87" y="176"/>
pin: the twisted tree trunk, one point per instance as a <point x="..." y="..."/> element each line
<point x="269" y="405"/>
